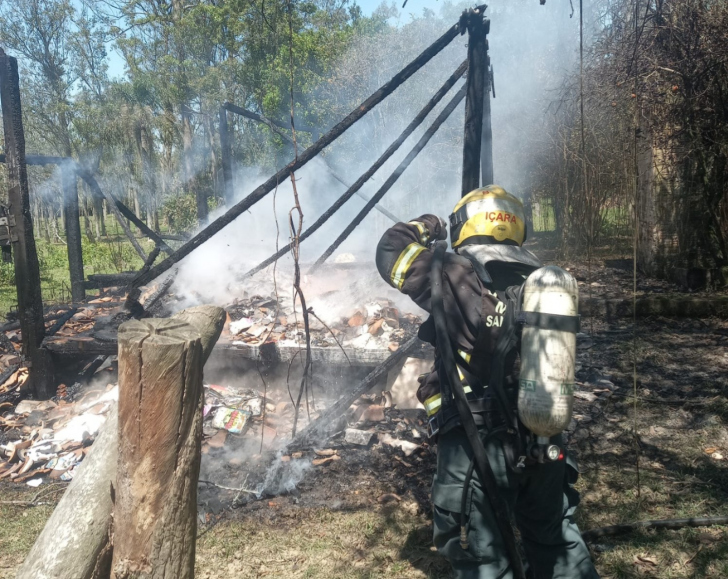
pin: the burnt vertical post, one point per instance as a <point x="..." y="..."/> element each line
<point x="226" y="154"/>
<point x="475" y="95"/>
<point x="73" y="231"/>
<point x="20" y="223"/>
<point x="486" y="138"/>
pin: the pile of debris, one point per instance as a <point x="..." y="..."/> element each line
<point x="44" y="440"/>
<point x="264" y="319"/>
<point x="242" y="426"/>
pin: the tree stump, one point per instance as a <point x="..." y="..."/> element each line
<point x="160" y="433"/>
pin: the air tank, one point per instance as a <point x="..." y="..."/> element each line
<point x="546" y="385"/>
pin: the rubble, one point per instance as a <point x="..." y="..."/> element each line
<point x="406" y="446"/>
<point x="49" y="439"/>
<point x="374" y="325"/>
<point x="358" y="437"/>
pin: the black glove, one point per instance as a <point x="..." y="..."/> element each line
<point x="441" y="233"/>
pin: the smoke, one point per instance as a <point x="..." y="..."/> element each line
<point x="532" y="48"/>
<point x="283" y="476"/>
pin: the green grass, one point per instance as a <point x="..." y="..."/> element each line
<point x="110" y="254"/>
<point x="21" y="524"/>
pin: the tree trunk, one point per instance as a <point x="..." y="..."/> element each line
<point x="647" y="225"/>
<point x="99" y="220"/>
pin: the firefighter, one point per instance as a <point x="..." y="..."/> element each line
<point x="487" y="231"/>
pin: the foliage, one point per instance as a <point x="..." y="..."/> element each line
<point x="655" y="134"/>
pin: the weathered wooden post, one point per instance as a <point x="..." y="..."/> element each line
<point x="75" y="543"/>
<point x="20" y="224"/>
<point x="477" y="59"/>
<point x="226" y="154"/>
<point x="160" y="435"/>
<point x="72" y="225"/>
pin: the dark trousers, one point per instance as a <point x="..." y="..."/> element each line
<point x="542" y="500"/>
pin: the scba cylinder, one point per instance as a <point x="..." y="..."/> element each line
<point x="548" y="351"/>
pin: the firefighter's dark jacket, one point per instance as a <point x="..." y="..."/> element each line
<point x="472" y="307"/>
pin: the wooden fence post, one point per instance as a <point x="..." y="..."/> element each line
<point x="474" y="100"/>
<point x="73" y="231"/>
<point x="227" y="158"/>
<point x="25" y="257"/>
<point x="75" y="543"/>
<point x="160" y="435"/>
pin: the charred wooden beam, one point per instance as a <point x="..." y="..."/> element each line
<point x="261" y="119"/>
<point x="47" y="318"/>
<point x="325" y="140"/>
<point x="25" y="256"/>
<point x="475" y="86"/>
<point x="486" y="139"/>
<point x="416" y="122"/>
<point x="101" y="280"/>
<point x="114" y="208"/>
<point x="439" y="120"/>
<point x="174" y="237"/>
<point x="273" y="124"/>
<point x="54" y="329"/>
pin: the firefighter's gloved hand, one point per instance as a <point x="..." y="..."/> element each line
<point x="441" y="233"/>
<point x="430" y="227"/>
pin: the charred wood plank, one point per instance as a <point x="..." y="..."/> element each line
<point x="416" y="122"/>
<point x="325" y="140"/>
<point x="324" y="422"/>
<point x="55" y="328"/>
<point x="439" y="120"/>
<point x="47" y="318"/>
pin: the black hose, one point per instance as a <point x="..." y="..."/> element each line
<point x="480" y="458"/>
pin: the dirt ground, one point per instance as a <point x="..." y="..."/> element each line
<point x="367" y="515"/>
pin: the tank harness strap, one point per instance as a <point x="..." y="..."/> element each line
<point x="455" y="386"/>
<point x="551" y="321"/>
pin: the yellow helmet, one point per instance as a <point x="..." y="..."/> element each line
<point x="488" y="215"/>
